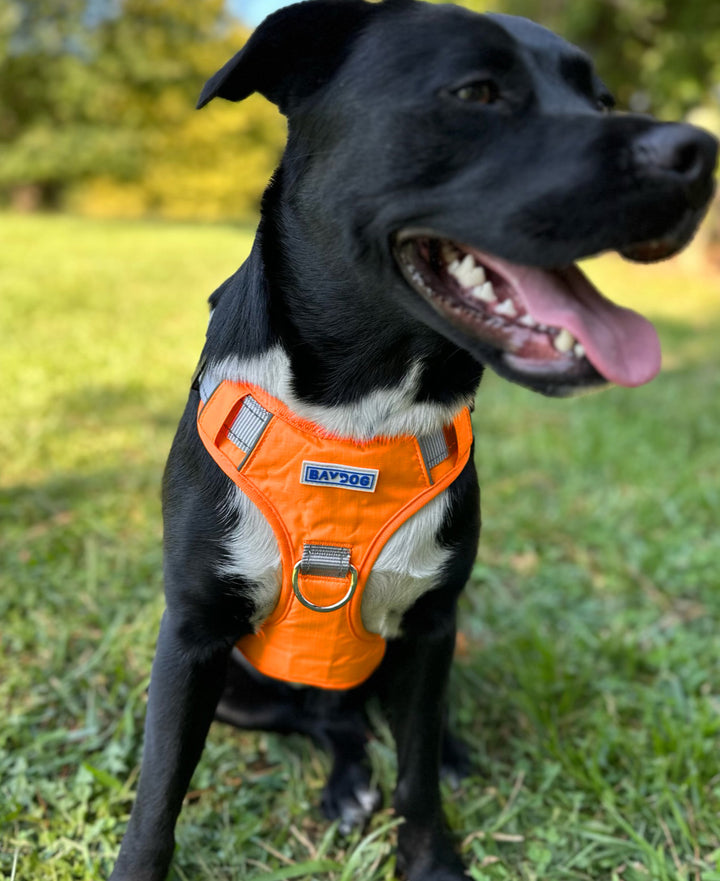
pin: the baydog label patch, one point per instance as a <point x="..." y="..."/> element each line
<point x="341" y="476"/>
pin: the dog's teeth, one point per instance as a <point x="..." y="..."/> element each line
<point x="527" y="320"/>
<point x="467" y="272"/>
<point x="484" y="292"/>
<point x="507" y="308"/>
<point x="473" y="273"/>
<point x="579" y="350"/>
<point x="564" y="341"/>
<point x="476" y="277"/>
<point x="461" y="268"/>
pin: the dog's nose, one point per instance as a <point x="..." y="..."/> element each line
<point x="680" y="153"/>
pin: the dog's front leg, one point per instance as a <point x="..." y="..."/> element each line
<point x="185" y="686"/>
<point x="413" y="684"/>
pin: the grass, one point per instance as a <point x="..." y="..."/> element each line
<point x="588" y="675"/>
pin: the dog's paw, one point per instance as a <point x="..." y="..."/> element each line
<point x="349" y="797"/>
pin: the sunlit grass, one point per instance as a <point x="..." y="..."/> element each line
<point x="588" y="674"/>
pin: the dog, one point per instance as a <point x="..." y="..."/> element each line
<point x="443" y="173"/>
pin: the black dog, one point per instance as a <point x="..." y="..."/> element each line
<point x="443" y="172"/>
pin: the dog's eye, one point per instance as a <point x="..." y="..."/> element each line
<point x="480" y="92"/>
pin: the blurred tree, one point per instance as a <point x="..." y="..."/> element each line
<point x="51" y="125"/>
<point x="96" y="99"/>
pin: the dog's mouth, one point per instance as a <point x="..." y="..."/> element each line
<point x="542" y="325"/>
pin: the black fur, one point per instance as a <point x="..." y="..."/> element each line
<point x="379" y="143"/>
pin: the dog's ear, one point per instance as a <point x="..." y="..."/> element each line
<point x="293" y="52"/>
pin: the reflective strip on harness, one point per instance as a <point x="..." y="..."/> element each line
<point x="434" y="449"/>
<point x="248" y="426"/>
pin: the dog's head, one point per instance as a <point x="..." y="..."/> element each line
<point x="471" y="160"/>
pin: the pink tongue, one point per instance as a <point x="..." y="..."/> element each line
<point x="620" y="344"/>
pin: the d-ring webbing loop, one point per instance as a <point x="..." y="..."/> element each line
<point x="324" y="561"/>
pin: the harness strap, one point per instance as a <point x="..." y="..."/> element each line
<point x="252" y="420"/>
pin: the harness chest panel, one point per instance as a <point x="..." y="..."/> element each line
<point x="332" y="504"/>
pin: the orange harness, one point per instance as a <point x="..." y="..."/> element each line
<point x="332" y="504"/>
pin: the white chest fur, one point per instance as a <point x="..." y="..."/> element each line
<point x="412" y="560"/>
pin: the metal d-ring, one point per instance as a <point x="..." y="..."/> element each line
<point x="306" y="602"/>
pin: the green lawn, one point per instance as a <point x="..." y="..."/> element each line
<point x="588" y="677"/>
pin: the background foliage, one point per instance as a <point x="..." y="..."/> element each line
<point x="96" y="110"/>
<point x="96" y="96"/>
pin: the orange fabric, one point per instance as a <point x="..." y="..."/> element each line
<point x="297" y="644"/>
